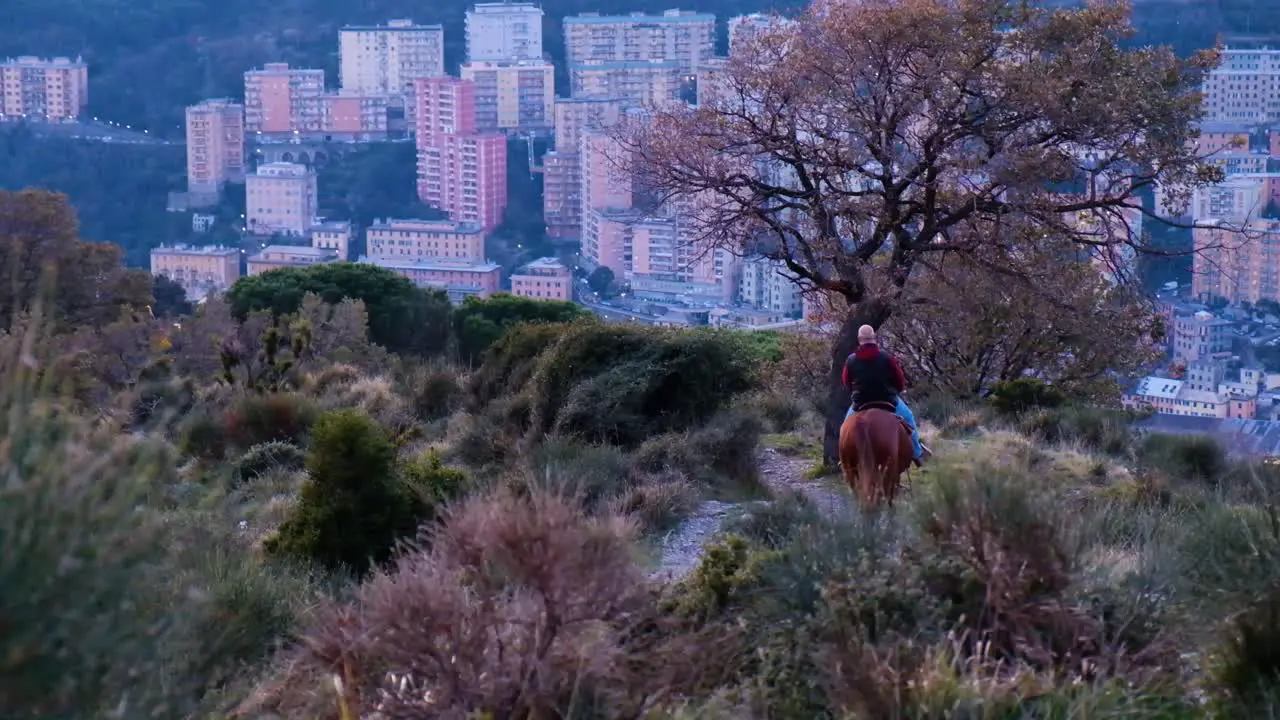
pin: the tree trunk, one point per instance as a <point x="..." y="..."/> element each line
<point x="867" y="312"/>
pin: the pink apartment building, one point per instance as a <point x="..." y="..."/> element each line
<point x="349" y="116"/>
<point x="460" y="171"/>
<point x="280" y="100"/>
<point x="55" y="90"/>
<point x="543" y="279"/>
<point x="562" y="168"/>
<point x="215" y="146"/>
<point x="1241" y="267"/>
<point x="459" y="278"/>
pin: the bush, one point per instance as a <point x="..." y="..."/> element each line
<point x="434" y="482"/>
<point x="434" y="393"/>
<point x="1014" y="397"/>
<point x="354" y="508"/>
<point x="1104" y="431"/>
<point x="1188" y="457"/>
<point x="280" y="417"/>
<point x="1247" y="666"/>
<point x="265" y="457"/>
<point x="522" y="607"/>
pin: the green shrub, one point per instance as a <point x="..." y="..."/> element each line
<point x="265" y="457"/>
<point x="434" y="482"/>
<point x="1014" y="397"/>
<point x="353" y="509"/>
<point x="591" y="473"/>
<point x="1101" y="430"/>
<point x="1188" y="457"/>
<point x="1247" y="666"/>
<point x="203" y="436"/>
<point x="434" y="393"/>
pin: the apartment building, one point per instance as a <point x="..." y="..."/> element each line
<point x="644" y="83"/>
<point x="1238" y="263"/>
<point x="386" y="59"/>
<point x="56" y="90"/>
<point x="459" y="278"/>
<point x="1245" y="87"/>
<point x="415" y="239"/>
<point x="562" y="167"/>
<point x="1238" y="198"/>
<point x="334" y="235"/>
<point x="743" y="27"/>
<point x="710" y="82"/>
<point x="668" y="264"/>
<point x="681" y="37"/>
<point x="276" y="257"/>
<point x="1221" y="137"/>
<point x="215" y="146"/>
<point x="516" y="95"/>
<point x="543" y="279"/>
<point x="199" y="270"/>
<point x="1198" y="336"/>
<point x="281" y="200"/>
<point x="283" y="101"/>
<point x="353" y="117"/>
<point x="1168" y="396"/>
<point x="766" y="285"/>
<point x="501" y="31"/>
<point x="461" y="170"/>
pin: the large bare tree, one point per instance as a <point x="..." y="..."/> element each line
<point x="868" y="136"/>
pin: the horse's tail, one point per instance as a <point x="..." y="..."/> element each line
<point x="868" y="473"/>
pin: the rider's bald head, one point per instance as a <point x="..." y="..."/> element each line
<point x="866" y="334"/>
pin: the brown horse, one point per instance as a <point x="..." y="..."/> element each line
<point x="875" y="449"/>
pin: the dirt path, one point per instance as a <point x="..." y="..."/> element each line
<point x="782" y="472"/>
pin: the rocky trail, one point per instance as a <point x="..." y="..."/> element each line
<point x="782" y="473"/>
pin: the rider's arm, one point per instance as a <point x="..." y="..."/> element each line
<point x="899" y="379"/>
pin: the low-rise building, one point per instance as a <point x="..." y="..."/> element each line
<point x="412" y="238"/>
<point x="333" y="235"/>
<point x="459" y="278"/>
<point x="199" y="270"/>
<point x="275" y="257"/>
<point x="543" y="279"/>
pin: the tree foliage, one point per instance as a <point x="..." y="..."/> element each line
<point x="968" y="328"/>
<point x="480" y="322"/>
<point x="42" y="259"/>
<point x="402" y="316"/>
<point x="868" y="137"/>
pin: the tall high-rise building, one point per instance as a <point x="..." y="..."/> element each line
<point x="682" y="37"/>
<point x="461" y="170"/>
<point x="499" y="31"/>
<point x="742" y="27"/>
<point x="562" y="167"/>
<point x="280" y="100"/>
<point x="1237" y="266"/>
<point x="215" y="146"/>
<point x="56" y="89"/>
<point x="280" y="199"/>
<point x="1245" y="87"/>
<point x="513" y="95"/>
<point x="386" y="59"/>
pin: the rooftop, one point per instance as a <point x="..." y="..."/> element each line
<point x="294" y="250"/>
<point x="665" y="17"/>
<point x="628" y="65"/>
<point x="1158" y="387"/>
<point x="546" y="263"/>
<point x="394" y="26"/>
<point x="1250" y="438"/>
<point x="441" y="224"/>
<point x="433" y="264"/>
<point x="194" y="250"/>
<point x="333" y="226"/>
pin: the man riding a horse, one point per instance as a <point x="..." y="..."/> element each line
<point x="875" y="379"/>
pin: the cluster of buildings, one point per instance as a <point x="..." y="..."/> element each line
<point x="442" y="254"/>
<point x="54" y="90"/>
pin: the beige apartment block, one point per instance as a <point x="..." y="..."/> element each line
<point x="283" y="101"/>
<point x="652" y="83"/>
<point x="39" y="89"/>
<point x="215" y="145"/>
<point x="500" y="31"/>
<point x="386" y="59"/>
<point x="1245" y="87"/>
<point x="516" y="95"/>
<point x="576" y="114"/>
<point x="459" y="278"/>
<point x="422" y="239"/>
<point x="354" y="117"/>
<point x="562" y="167"/>
<point x="275" y="257"/>
<point x="682" y="37"/>
<point x="334" y="235"/>
<point x="543" y="279"/>
<point x="199" y="270"/>
<point x="281" y="199"/>
<point x="766" y="285"/>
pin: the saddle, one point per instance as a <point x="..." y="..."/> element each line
<point x="888" y="406"/>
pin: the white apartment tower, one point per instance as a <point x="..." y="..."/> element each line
<point x="385" y="59"/>
<point x="504" y="31"/>
<point x="1245" y="87"/>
